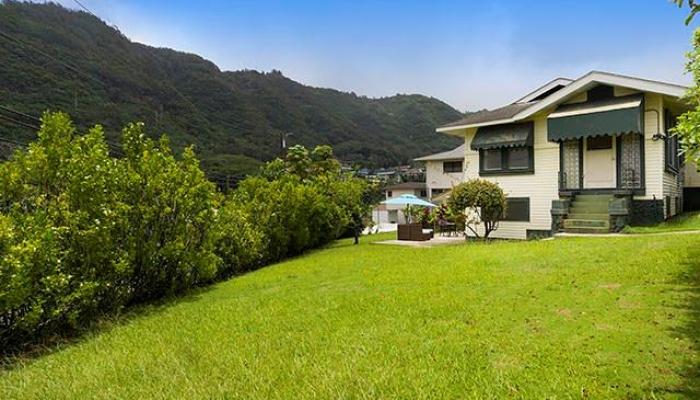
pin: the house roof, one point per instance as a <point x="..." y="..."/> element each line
<point x="407" y="186"/>
<point x="545" y="89"/>
<point x="454" y="154"/>
<point x="519" y="111"/>
<point x="488" y="116"/>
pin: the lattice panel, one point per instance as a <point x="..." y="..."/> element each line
<point x="631" y="161"/>
<point x="571" y="164"/>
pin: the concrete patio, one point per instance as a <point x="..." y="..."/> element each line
<point x="436" y="241"/>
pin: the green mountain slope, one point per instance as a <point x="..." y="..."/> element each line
<point x="57" y="59"/>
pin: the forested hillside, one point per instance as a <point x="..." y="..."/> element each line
<point x="57" y="59"/>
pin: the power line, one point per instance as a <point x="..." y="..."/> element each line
<point x="9" y="119"/>
<point x="49" y="56"/>
<point x="153" y="55"/>
<point x="85" y="8"/>
<point x="8" y="109"/>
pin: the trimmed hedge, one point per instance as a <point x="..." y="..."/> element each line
<point x="83" y="234"/>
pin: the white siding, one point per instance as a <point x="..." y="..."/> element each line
<point x="436" y="179"/>
<point x="541" y="187"/>
<point x="653" y="149"/>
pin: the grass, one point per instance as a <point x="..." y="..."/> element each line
<point x="567" y="318"/>
<point x="684" y="222"/>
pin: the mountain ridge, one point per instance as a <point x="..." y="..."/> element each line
<point x="59" y="59"/>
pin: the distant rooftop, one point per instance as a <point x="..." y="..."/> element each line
<point x="407" y="186"/>
<point x="454" y="154"/>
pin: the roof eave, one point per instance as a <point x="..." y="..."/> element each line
<point x="597" y="77"/>
<point x="450" y="129"/>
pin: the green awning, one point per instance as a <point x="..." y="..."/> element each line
<point x="609" y="117"/>
<point x="506" y="135"/>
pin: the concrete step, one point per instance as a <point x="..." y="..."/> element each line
<point x="593" y="197"/>
<point x="586" y="223"/>
<point x="586" y="215"/>
<point x="579" y="208"/>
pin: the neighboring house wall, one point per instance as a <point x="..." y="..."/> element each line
<point x="541" y="187"/>
<point x="692" y="176"/>
<point x="435" y="178"/>
<point x="399" y="192"/>
<point x="386" y="217"/>
<point x="691" y="192"/>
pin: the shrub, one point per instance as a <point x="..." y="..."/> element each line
<point x="239" y="242"/>
<point x="170" y="213"/>
<point x="483" y="201"/>
<point x="83" y="234"/>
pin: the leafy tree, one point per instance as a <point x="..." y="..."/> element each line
<point x="692" y="5"/>
<point x="688" y="125"/>
<point x="484" y="203"/>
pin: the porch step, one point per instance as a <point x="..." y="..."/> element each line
<point x="579" y="208"/>
<point x="589" y="216"/>
<point x="593" y="197"/>
<point x="588" y="213"/>
<point x="586" y="223"/>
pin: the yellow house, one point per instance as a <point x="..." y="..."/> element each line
<point x="586" y="155"/>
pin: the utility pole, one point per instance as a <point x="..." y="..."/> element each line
<point x="285" y="136"/>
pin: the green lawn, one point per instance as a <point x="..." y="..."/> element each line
<point x="683" y="222"/>
<point x="567" y="318"/>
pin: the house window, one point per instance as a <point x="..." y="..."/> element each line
<point x="506" y="160"/>
<point x="599" y="143"/>
<point x="451" y="167"/>
<point x="492" y="160"/>
<point x="393" y="216"/>
<point x="671" y="148"/>
<point x="389" y="193"/>
<point x="423" y="193"/>
<point x="435" y="192"/>
<point x="517" y="209"/>
<point x="518" y="158"/>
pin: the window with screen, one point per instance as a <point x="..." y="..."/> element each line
<point x="492" y="160"/>
<point x="506" y="160"/>
<point x="517" y="209"/>
<point x="451" y="167"/>
<point x="671" y="148"/>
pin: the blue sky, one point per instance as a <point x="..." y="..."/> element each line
<point x="471" y="54"/>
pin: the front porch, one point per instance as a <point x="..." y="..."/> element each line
<point x="601" y="163"/>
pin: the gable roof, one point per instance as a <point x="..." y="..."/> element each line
<point x="519" y="111"/>
<point x="549" y="86"/>
<point x="487" y="117"/>
<point x="454" y="154"/>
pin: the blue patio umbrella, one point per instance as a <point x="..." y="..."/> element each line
<point x="408" y="200"/>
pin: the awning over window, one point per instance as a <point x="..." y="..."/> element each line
<point x="610" y="117"/>
<point x="507" y="135"/>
